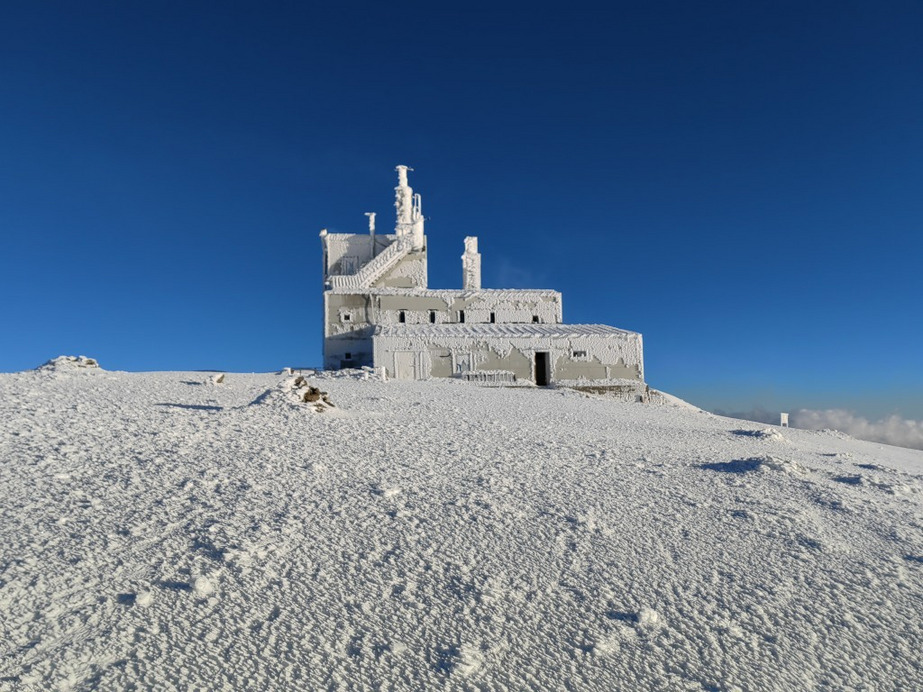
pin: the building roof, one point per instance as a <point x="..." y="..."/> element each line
<point x="499" y="330"/>
<point x="507" y="293"/>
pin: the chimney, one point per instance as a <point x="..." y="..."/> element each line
<point x="403" y="203"/>
<point x="471" y="264"/>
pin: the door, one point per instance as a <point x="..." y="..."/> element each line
<point x="348" y="264"/>
<point x="403" y="365"/>
<point x="463" y="363"/>
<point x="542" y="368"/>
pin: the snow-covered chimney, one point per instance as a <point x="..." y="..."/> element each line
<point x="471" y="264"/>
<point x="403" y="203"/>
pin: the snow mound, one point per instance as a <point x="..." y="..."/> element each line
<point x="779" y="464"/>
<point x="760" y="463"/>
<point x="69" y="364"/>
<point x="768" y="434"/>
<point x="297" y="391"/>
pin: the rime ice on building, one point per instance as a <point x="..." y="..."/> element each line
<point x="379" y="312"/>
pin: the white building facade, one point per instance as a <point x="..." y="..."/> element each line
<point x="379" y="312"/>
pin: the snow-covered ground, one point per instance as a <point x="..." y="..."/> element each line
<point x="164" y="531"/>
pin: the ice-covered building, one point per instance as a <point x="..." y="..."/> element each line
<point x="379" y="312"/>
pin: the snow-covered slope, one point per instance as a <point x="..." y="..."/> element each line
<point x="162" y="531"/>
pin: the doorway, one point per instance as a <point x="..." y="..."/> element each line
<point x="348" y="265"/>
<point x="404" y="362"/>
<point x="412" y="365"/>
<point x="542" y="368"/>
<point x="463" y="363"/>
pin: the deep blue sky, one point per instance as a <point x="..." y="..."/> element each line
<point x="742" y="182"/>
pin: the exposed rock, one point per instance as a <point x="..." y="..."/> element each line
<point x="311" y="395"/>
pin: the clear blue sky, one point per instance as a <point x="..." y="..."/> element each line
<point x="742" y="182"/>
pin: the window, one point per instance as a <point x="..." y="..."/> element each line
<point x="461" y="316"/>
<point x="401" y="317"/>
<point x="579" y="354"/>
<point x="463" y="362"/>
<point x="493" y="318"/>
<point x="347" y="317"/>
<point x="348" y="355"/>
<point x="535" y="318"/>
<point x="432" y="317"/>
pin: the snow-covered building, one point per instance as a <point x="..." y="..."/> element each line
<point x="378" y="311"/>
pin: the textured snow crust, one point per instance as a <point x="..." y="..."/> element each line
<point x="162" y="531"/>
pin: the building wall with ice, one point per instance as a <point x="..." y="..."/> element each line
<point x="348" y="316"/>
<point x="571" y="352"/>
<point x="409" y="272"/>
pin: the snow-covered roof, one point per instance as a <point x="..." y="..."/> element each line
<point x="500" y="330"/>
<point x="501" y="293"/>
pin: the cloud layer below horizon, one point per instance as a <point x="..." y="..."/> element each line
<point x="892" y="430"/>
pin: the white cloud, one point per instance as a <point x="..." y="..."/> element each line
<point x="892" y="430"/>
<point x="510" y="275"/>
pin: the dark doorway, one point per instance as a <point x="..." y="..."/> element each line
<point x="542" y="371"/>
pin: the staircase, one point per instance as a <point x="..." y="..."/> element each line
<point x="375" y="268"/>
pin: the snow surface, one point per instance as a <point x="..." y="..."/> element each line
<point x="166" y="531"/>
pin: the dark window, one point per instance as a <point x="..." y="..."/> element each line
<point x="461" y="316"/>
<point x="349" y="356"/>
<point x="579" y="354"/>
<point x="347" y="317"/>
<point x="401" y="317"/>
<point x="432" y="317"/>
<point x="493" y="318"/>
<point x="535" y="318"/>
